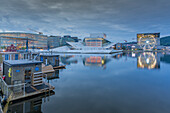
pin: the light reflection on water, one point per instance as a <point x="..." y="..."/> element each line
<point x="122" y="83"/>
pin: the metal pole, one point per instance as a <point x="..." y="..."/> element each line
<point x="24" y="89"/>
<point x="45" y="61"/>
<point x="10" y="57"/>
<point x="7" y="92"/>
<point x="27" y="44"/>
<point x="24" y="107"/>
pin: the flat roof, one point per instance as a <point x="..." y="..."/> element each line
<point x="21" y="33"/>
<point x="19" y="38"/>
<point x="21" y="62"/>
<point x="148" y="33"/>
<point x="50" y="55"/>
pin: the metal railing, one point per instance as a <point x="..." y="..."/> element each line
<point x="12" y="90"/>
<point x="4" y="87"/>
<point x="19" y="90"/>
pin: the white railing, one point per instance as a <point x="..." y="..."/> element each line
<point x="14" y="90"/>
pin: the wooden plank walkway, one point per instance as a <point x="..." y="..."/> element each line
<point x="36" y="92"/>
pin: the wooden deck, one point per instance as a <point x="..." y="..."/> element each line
<point x="36" y="90"/>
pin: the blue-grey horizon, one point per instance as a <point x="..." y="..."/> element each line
<point x="119" y="19"/>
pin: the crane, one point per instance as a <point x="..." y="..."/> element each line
<point x="35" y="31"/>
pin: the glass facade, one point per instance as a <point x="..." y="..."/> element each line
<point x="39" y="41"/>
<point x="149" y="36"/>
<point x="95" y="42"/>
<point x="54" y="41"/>
<point x="5" y="42"/>
<point x="68" y="38"/>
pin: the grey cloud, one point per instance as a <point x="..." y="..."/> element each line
<point x="119" y="19"/>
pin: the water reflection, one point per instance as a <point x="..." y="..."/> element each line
<point x="145" y="60"/>
<point x="148" y="60"/>
<point x="118" y="56"/>
<point x="33" y="105"/>
<point x="165" y="58"/>
<point x="53" y="75"/>
<point x="89" y="60"/>
<point x="68" y="59"/>
<point x="95" y="61"/>
<point x="110" y="90"/>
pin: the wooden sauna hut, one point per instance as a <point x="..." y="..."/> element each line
<point x="24" y="77"/>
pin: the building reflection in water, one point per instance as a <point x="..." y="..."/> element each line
<point x="118" y="56"/>
<point x="30" y="106"/>
<point x="148" y="60"/>
<point x="89" y="60"/>
<point x="95" y="61"/>
<point x="68" y="59"/>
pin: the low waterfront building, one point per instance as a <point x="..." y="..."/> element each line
<point x="95" y="42"/>
<point x="54" y="41"/>
<point x="19" y="42"/>
<point x="130" y="46"/>
<point x="89" y="45"/>
<point x="118" y="46"/>
<point x="57" y="41"/>
<point x="37" y="41"/>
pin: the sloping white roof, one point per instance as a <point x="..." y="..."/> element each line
<point x="60" y="48"/>
<point x="109" y="45"/>
<point x="80" y="45"/>
<point x="76" y="44"/>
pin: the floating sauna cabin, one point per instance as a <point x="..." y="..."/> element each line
<point x="24" y="78"/>
<point x="21" y="71"/>
<point x="50" y="60"/>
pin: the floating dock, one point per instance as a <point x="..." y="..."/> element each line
<point x="23" y="78"/>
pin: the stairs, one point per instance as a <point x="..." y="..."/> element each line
<point x="37" y="79"/>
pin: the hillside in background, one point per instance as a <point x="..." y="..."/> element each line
<point x="165" y="41"/>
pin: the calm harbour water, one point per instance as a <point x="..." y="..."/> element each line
<point x="124" y="83"/>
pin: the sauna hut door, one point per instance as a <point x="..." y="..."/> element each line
<point x="28" y="75"/>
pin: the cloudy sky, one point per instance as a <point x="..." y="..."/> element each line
<point x="119" y="19"/>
